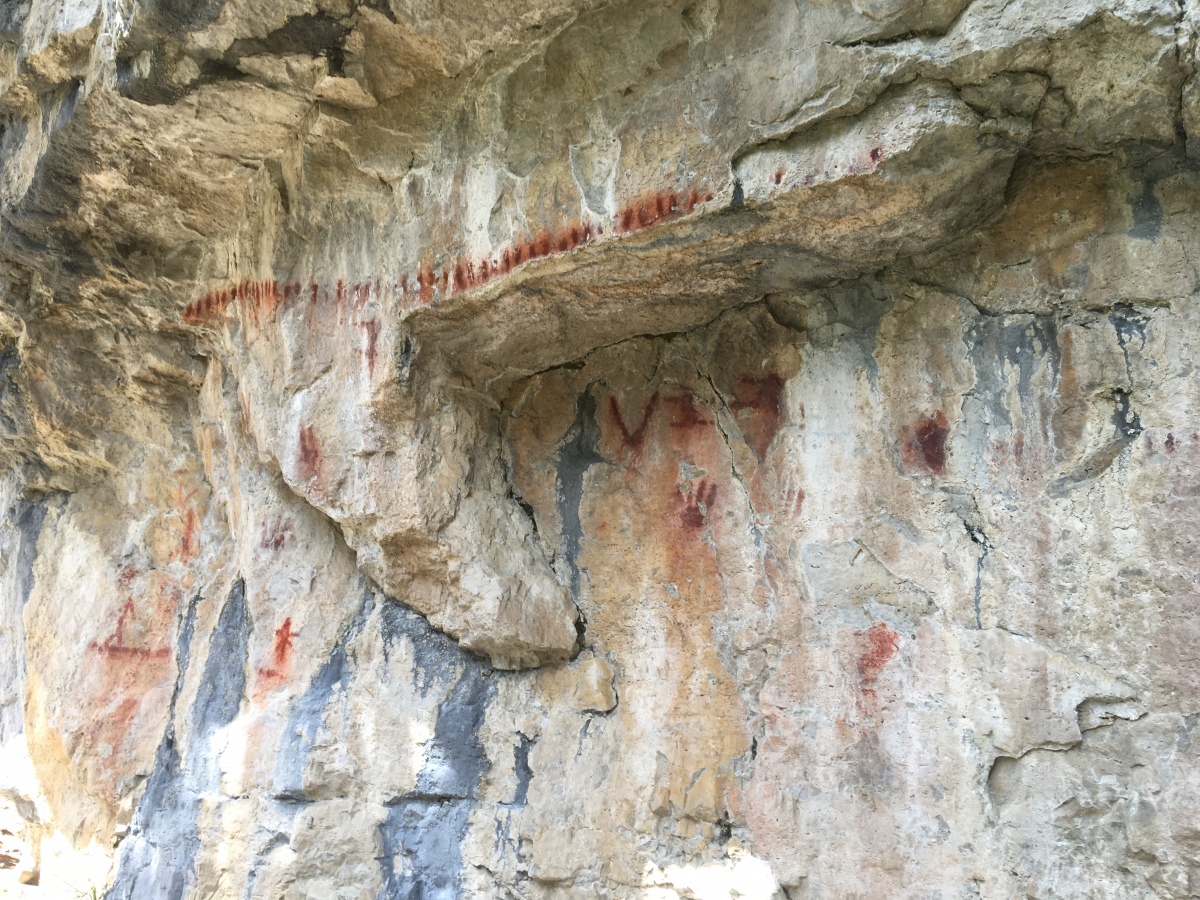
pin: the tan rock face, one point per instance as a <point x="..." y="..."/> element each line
<point x="611" y="449"/>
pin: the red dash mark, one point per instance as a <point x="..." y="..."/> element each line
<point x="779" y="176"/>
<point x="371" y="329"/>
<point x="927" y="446"/>
<point x="1171" y="443"/>
<point x="879" y="645"/>
<point x="633" y="440"/>
<point x="698" y="505"/>
<point x="189" y="541"/>
<point x="758" y="410"/>
<point x="310" y="452"/>
<point x="244" y="403"/>
<point x="426" y="284"/>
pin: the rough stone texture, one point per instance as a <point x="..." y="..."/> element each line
<point x="679" y="449"/>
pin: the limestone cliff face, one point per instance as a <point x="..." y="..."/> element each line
<point x="544" y="449"/>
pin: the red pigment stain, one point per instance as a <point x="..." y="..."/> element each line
<point x="758" y="411"/>
<point x="310" y="452"/>
<point x="362" y="293"/>
<point x="687" y="415"/>
<point x="633" y="440"/>
<point x="244" y="403"/>
<point x="880" y="644"/>
<point x="927" y="445"/>
<point x="779" y="176"/>
<point x="275" y="535"/>
<point x="795" y="501"/>
<point x="698" y="505"/>
<point x="1171" y="443"/>
<point x="876" y="154"/>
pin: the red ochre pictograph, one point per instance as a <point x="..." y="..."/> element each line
<point x="877" y="645"/>
<point x="259" y="300"/>
<point x="276" y="672"/>
<point x="122" y="644"/>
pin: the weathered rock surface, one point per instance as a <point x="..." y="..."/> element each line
<point x="609" y="449"/>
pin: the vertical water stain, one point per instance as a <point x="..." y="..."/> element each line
<point x="577" y="454"/>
